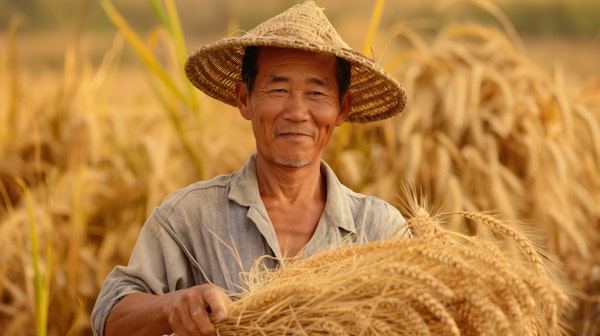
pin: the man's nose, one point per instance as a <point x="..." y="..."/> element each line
<point x="296" y="107"/>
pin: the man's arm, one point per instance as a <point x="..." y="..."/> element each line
<point x="183" y="312"/>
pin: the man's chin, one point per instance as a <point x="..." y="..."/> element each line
<point x="291" y="163"/>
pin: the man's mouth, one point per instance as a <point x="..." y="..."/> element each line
<point x="294" y="135"/>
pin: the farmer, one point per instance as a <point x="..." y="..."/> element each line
<point x="291" y="78"/>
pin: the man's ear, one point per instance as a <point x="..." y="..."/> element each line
<point x="345" y="108"/>
<point x="242" y="99"/>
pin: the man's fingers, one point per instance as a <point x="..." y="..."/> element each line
<point x="216" y="300"/>
<point x="185" y="325"/>
<point x="201" y="321"/>
<point x="190" y="310"/>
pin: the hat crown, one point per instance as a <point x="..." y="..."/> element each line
<point x="303" y="23"/>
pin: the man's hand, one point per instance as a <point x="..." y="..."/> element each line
<point x="187" y="310"/>
<point x="183" y="312"/>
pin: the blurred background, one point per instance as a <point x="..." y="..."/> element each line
<point x="98" y="125"/>
<point x="556" y="31"/>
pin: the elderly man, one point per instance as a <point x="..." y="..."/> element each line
<point x="295" y="80"/>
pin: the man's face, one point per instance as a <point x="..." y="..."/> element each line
<point x="294" y="106"/>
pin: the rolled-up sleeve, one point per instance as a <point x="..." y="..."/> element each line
<point x="157" y="265"/>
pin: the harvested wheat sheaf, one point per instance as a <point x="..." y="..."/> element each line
<point x="438" y="283"/>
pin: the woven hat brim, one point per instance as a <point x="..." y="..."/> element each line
<point x="216" y="69"/>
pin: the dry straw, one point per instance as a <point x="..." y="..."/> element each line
<point x="439" y="283"/>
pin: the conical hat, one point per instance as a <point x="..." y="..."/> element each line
<point x="216" y="68"/>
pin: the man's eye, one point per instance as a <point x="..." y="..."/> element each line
<point x="279" y="91"/>
<point x="316" y="93"/>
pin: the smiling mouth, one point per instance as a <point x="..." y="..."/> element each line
<point x="294" y="136"/>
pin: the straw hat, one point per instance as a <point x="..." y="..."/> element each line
<point x="216" y="68"/>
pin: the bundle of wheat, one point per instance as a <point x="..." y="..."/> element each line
<point x="439" y="283"/>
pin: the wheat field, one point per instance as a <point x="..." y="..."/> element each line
<point x="88" y="148"/>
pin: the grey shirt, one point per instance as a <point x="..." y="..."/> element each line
<point x="211" y="231"/>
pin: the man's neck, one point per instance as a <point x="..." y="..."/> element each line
<point x="294" y="199"/>
<point x="290" y="185"/>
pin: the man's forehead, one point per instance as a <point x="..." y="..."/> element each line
<point x="279" y="65"/>
<point x="282" y="78"/>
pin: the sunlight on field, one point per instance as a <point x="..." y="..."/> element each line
<point x="91" y="139"/>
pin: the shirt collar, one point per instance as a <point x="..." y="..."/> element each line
<point x="244" y="191"/>
<point x="337" y="208"/>
<point x="244" y="186"/>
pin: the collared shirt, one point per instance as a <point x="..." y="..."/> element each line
<point x="211" y="231"/>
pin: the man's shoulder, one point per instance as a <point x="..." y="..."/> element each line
<point x="362" y="198"/>
<point x="206" y="191"/>
<point x="371" y="204"/>
<point x="219" y="181"/>
<point x="358" y="201"/>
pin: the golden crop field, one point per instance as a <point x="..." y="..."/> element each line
<point x="98" y="124"/>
